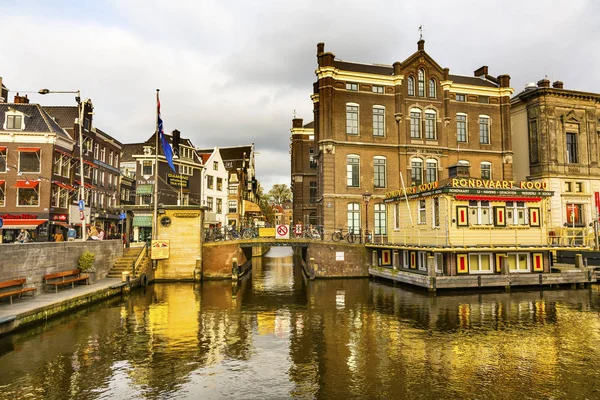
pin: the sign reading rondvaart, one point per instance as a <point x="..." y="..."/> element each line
<point x="182" y="181"/>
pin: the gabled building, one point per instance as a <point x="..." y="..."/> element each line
<point x="214" y="188"/>
<point x="174" y="188"/>
<point x="381" y="126"/>
<point x="242" y="187"/>
<point x="304" y="172"/>
<point x="36" y="179"/>
<point x="557" y="133"/>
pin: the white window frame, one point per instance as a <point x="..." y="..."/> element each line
<point x="378" y="89"/>
<point x="478" y="212"/>
<point x="3" y="194"/>
<point x="352" y="119"/>
<point x="466" y="125"/>
<point x="488" y="124"/>
<point x="378" y="163"/>
<point x="416" y="123"/>
<point x="516" y="255"/>
<point x="380" y="218"/>
<point x="353" y="218"/>
<point x="421" y="211"/>
<point x="39" y="157"/>
<point x="477" y="269"/>
<point x="350" y="169"/>
<point x="413" y="174"/>
<point x="432" y="88"/>
<point x="421" y="82"/>
<point x="430" y="123"/>
<point x="4" y="156"/>
<point x="428" y="163"/>
<point x="512" y="213"/>
<point x="435" y="213"/>
<point x="488" y="167"/>
<point x="379" y="121"/>
<point x="352" y="86"/>
<point x="410" y="83"/>
<point x="14" y="114"/>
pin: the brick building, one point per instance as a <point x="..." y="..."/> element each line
<point x="34" y="194"/>
<point x="556" y="131"/>
<point x="304" y="172"/>
<point x="378" y="127"/>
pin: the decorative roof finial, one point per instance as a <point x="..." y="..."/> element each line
<point x="421" y="32"/>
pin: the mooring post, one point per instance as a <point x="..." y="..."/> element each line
<point x="234" y="269"/>
<point x="578" y="260"/>
<point x="504" y="270"/>
<point x="311" y="268"/>
<point x="431" y="273"/>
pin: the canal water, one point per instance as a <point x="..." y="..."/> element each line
<point x="280" y="336"/>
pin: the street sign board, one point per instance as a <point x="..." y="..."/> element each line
<point x="81" y="205"/>
<point x="1" y="222"/>
<point x="122" y="215"/>
<point x="298" y="229"/>
<point x="282" y="232"/>
<point x="81" y="215"/>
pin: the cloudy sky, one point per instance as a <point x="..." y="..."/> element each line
<point x="233" y="72"/>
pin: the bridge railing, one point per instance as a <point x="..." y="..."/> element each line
<point x="309" y="232"/>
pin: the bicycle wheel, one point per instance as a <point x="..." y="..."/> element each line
<point x="336" y="236"/>
<point x="351" y="237"/>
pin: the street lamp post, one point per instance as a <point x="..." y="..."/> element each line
<point x="366" y="197"/>
<point x="81" y="169"/>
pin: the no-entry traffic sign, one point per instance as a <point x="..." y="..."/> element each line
<point x="282" y="232"/>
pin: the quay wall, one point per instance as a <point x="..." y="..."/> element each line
<point x="217" y="259"/>
<point x="337" y="260"/>
<point x="34" y="260"/>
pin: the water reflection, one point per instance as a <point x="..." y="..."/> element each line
<point x="277" y="335"/>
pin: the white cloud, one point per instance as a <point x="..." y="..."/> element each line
<point x="232" y="73"/>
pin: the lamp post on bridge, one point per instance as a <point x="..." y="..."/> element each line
<point x="366" y="197"/>
<point x="81" y="169"/>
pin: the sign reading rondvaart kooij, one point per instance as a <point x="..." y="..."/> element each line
<point x="160" y="249"/>
<point x="176" y="180"/>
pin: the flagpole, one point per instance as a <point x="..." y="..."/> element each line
<point x="155" y="201"/>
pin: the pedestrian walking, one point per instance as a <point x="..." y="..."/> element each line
<point x="23" y="236"/>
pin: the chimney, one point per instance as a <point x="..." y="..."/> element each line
<point x="543" y="83"/>
<point x="421" y="45"/>
<point x="297" y="123"/>
<point x="504" y="80"/>
<point x="21" y="99"/>
<point x="557" y="85"/>
<point x="320" y="48"/>
<point x="481" y="71"/>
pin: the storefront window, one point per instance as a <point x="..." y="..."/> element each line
<point x="27" y="197"/>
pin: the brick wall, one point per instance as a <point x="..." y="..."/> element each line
<point x="34" y="260"/>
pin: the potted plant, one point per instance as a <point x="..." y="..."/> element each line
<point x="86" y="265"/>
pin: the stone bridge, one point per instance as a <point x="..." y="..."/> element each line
<point x="230" y="259"/>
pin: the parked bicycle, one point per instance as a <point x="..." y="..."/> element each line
<point x="338" y="235"/>
<point x="250" y="233"/>
<point x="232" y="233"/>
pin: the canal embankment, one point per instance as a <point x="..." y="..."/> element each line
<point x="29" y="311"/>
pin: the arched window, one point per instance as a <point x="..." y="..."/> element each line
<point x="432" y="88"/>
<point x="430" y="132"/>
<point x="411" y="86"/>
<point x="352" y="170"/>
<point x="379" y="172"/>
<point x="415" y="123"/>
<point x="486" y="170"/>
<point x="380" y="219"/>
<point x="421" y="83"/>
<point x="354" y="218"/>
<point x="416" y="171"/>
<point x="378" y="121"/>
<point x="431" y="170"/>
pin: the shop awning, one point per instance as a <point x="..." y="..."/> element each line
<point x="64" y="186"/>
<point x="144" y="221"/>
<point x="498" y="198"/>
<point x="2" y="148"/>
<point x="63" y="224"/>
<point x="2" y="181"/>
<point x="87" y="185"/>
<point x="22" y="223"/>
<point x="25" y="184"/>
<point x="144" y="189"/>
<point x="90" y="163"/>
<point x="28" y="149"/>
<point x="251" y="207"/>
<point x="64" y="153"/>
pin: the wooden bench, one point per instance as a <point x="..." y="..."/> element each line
<point x="64" y="278"/>
<point x="15" y="287"/>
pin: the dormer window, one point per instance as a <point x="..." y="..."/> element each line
<point x="14" y="120"/>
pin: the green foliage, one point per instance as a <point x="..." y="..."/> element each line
<point x="86" y="262"/>
<point x="279" y="194"/>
